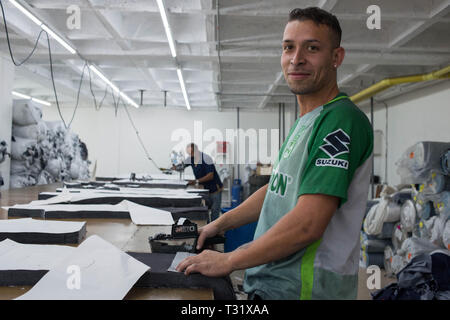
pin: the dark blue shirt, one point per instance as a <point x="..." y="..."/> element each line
<point x="201" y="169"/>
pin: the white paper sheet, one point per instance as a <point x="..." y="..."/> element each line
<point x="83" y="195"/>
<point x="39" y="226"/>
<point x="18" y="256"/>
<point x="142" y="215"/>
<point x="180" y="256"/>
<point x="105" y="273"/>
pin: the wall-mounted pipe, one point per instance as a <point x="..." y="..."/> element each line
<point x="387" y="83"/>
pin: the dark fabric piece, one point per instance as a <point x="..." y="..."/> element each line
<point x="441" y="270"/>
<point x="155" y="202"/>
<point x="159" y="277"/>
<point x="20" y="277"/>
<point x="45" y="238"/>
<point x="201" y="169"/>
<point x="192" y="213"/>
<point x="426" y="277"/>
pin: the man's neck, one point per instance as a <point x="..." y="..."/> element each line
<point x="309" y="102"/>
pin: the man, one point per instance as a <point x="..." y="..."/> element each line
<point x="306" y="244"/>
<point x="205" y="174"/>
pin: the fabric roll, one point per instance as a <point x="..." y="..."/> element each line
<point x="370" y="259"/>
<point x="388" y="256"/>
<point x="445" y="163"/>
<point x="36" y="131"/>
<point x="26" y="113"/>
<point x="408" y="216"/>
<point x="417" y="161"/>
<point x="412" y="247"/>
<point x="373" y="245"/>
<point x="425" y="210"/>
<point x="399" y="235"/>
<point x="446" y="235"/>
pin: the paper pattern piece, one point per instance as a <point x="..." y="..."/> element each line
<point x="39" y="226"/>
<point x="140" y="215"/>
<point x="96" y="270"/>
<point x="180" y="256"/>
<point x="18" y="256"/>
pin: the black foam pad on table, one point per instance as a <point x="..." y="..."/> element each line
<point x="45" y="238"/>
<point x="192" y="213"/>
<point x="159" y="277"/>
<point x="156" y="202"/>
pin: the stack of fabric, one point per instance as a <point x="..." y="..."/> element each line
<point x="381" y="221"/>
<point x="43" y="152"/>
<point x="423" y="224"/>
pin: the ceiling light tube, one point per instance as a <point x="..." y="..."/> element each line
<point x="106" y="80"/>
<point x="41" y="102"/>
<point x="26" y="12"/>
<point x="162" y="11"/>
<point x="59" y="39"/>
<point x="20" y="95"/>
<point x="128" y="99"/>
<point x="183" y="88"/>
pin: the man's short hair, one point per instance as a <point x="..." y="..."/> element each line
<point x="192" y="146"/>
<point x="319" y="16"/>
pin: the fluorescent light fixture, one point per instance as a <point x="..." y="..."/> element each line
<point x="45" y="103"/>
<point x="20" y="95"/>
<point x="59" y="39"/>
<point x="26" y="12"/>
<point x="183" y="88"/>
<point x="162" y="11"/>
<point x="127" y="99"/>
<point x="101" y="76"/>
<point x="116" y="90"/>
<point x="24" y="96"/>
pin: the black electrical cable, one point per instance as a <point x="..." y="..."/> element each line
<point x="9" y="42"/>
<point x="78" y="94"/>
<point x="138" y="136"/>
<point x="52" y="73"/>
<point x="93" y="95"/>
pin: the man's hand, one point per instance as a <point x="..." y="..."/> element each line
<point x="191" y="182"/>
<point x="209" y="263"/>
<point x="208" y="231"/>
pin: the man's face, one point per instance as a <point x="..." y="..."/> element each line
<point x="307" y="59"/>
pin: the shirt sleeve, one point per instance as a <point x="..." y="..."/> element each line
<point x="340" y="142"/>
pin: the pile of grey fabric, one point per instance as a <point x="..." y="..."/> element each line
<point x="381" y="220"/>
<point x="425" y="277"/>
<point x="418" y="217"/>
<point x="43" y="152"/>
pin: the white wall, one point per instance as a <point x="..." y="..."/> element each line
<point x="6" y="81"/>
<point x="423" y="115"/>
<point x="112" y="142"/>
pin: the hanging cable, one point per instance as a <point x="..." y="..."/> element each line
<point x="9" y="42"/>
<point x="138" y="136"/>
<point x="97" y="107"/>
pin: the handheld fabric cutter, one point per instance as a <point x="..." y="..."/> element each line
<point x="183" y="238"/>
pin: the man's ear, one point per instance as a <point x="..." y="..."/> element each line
<point x="338" y="56"/>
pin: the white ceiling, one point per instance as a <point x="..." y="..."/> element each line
<point x="236" y="64"/>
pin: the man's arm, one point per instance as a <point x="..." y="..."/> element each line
<point x="303" y="225"/>
<point x="245" y="213"/>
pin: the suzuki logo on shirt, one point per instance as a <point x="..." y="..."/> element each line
<point x="279" y="183"/>
<point x="336" y="144"/>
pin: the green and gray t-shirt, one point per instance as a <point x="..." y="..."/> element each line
<point x="328" y="151"/>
